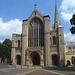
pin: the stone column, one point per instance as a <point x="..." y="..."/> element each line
<point x="13" y="54"/>
<point x="24" y="41"/>
<point x="38" y="33"/>
<point x="27" y="57"/>
<point x="47" y="41"/>
<point x="50" y="60"/>
<point x="33" y="33"/>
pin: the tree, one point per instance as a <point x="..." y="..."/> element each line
<point x="72" y="21"/>
<point x="1" y="50"/>
<point x="7" y="44"/>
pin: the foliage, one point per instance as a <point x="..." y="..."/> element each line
<point x="72" y="21"/>
<point x="5" y="48"/>
<point x="1" y="50"/>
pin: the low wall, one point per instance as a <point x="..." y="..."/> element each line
<point x="0" y="60"/>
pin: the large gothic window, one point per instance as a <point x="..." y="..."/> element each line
<point x="35" y="33"/>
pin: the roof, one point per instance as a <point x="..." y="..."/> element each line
<point x="15" y="32"/>
<point x="43" y="16"/>
<point x="70" y="43"/>
<point x="47" y="16"/>
<point x="25" y="20"/>
<point x="59" y="26"/>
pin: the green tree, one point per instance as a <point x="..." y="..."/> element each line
<point x="72" y="21"/>
<point x="1" y="50"/>
<point x="7" y="44"/>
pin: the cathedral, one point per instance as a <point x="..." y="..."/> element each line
<point x="40" y="43"/>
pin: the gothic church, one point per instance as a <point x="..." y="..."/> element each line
<point x="39" y="44"/>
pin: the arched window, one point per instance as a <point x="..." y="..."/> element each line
<point x="35" y="33"/>
<point x="68" y="62"/>
<point x="18" y="43"/>
<point x="54" y="40"/>
<point x="73" y="60"/>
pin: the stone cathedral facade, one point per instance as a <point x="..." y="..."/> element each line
<point x="39" y="44"/>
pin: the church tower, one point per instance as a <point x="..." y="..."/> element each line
<point x="56" y="20"/>
<point x="57" y="56"/>
<point x="60" y="38"/>
<point x="61" y="45"/>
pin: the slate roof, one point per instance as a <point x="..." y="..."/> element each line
<point x="70" y="43"/>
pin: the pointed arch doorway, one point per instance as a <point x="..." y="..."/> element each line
<point x="35" y="58"/>
<point x="18" y="59"/>
<point x="54" y="60"/>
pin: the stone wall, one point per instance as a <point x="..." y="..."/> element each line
<point x="0" y="60"/>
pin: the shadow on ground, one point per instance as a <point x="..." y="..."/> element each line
<point x="61" y="68"/>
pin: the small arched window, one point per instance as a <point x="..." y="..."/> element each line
<point x="68" y="62"/>
<point x="54" y="40"/>
<point x="69" y="48"/>
<point x="73" y="60"/>
<point x="73" y="47"/>
<point x="18" y="43"/>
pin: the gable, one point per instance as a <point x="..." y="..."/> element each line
<point x="34" y="14"/>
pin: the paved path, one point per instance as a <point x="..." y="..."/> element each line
<point x="15" y="71"/>
<point x="32" y="71"/>
<point x="2" y="65"/>
<point x="7" y="70"/>
<point x="44" y="72"/>
<point x="65" y="72"/>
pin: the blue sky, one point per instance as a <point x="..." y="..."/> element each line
<point x="12" y="12"/>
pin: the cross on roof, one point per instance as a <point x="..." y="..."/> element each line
<point x="35" y="5"/>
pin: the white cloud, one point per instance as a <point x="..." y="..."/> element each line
<point x="69" y="37"/>
<point x="7" y="28"/>
<point x="67" y="9"/>
<point x="1" y="41"/>
<point x="66" y="16"/>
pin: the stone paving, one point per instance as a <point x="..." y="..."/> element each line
<point x="9" y="70"/>
<point x="65" y="72"/>
<point x="6" y="69"/>
<point x="14" y="71"/>
<point x="32" y="71"/>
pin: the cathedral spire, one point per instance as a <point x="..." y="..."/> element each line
<point x="35" y="6"/>
<point x="52" y="25"/>
<point x="56" y="20"/>
<point x="60" y="23"/>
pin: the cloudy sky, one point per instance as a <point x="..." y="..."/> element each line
<point x="12" y="12"/>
